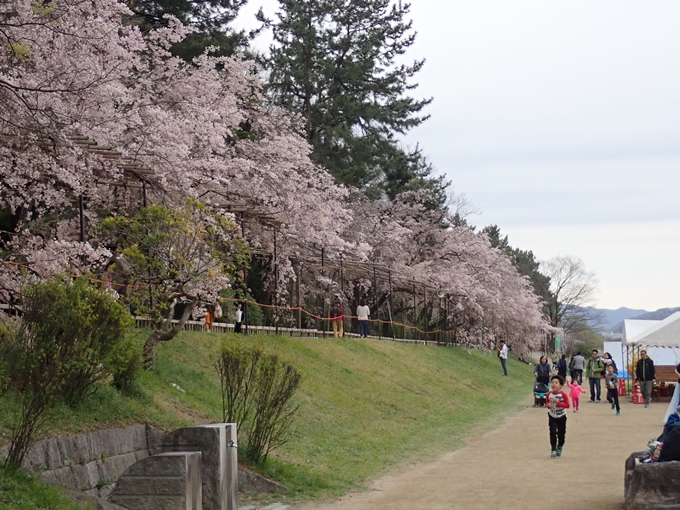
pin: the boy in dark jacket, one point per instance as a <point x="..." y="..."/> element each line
<point x="644" y="374"/>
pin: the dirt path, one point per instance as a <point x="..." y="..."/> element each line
<point x="511" y="468"/>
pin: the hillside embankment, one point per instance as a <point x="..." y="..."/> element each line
<point x="365" y="406"/>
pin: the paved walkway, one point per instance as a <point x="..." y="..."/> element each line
<point x="511" y="468"/>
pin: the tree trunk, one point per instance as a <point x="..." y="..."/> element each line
<point x="164" y="333"/>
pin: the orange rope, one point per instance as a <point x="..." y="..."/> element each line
<point x="262" y="305"/>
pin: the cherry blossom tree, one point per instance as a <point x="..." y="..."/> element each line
<point x="168" y="258"/>
<point x="97" y="121"/>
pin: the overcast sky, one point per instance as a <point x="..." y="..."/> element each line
<point x="560" y="122"/>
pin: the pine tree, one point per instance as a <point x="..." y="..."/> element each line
<point x="211" y="18"/>
<point x="334" y="61"/>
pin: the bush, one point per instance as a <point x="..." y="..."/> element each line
<point x="60" y="350"/>
<point x="257" y="391"/>
<point x="125" y="365"/>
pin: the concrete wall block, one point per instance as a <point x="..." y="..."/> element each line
<point x="141" y="454"/>
<point x="168" y="481"/>
<point x="48" y="477"/>
<point x="73" y="449"/>
<point x="152" y="502"/>
<point x="34" y="462"/>
<point x="111" y="468"/>
<point x="81" y="477"/>
<point x="161" y="486"/>
<point x="165" y="464"/>
<point x="94" y="446"/>
<point x="154" y="438"/>
<point x="61" y="476"/>
<point x="120" y="441"/>
<point x="249" y="481"/>
<point x="105" y="492"/>
<point x="52" y="455"/>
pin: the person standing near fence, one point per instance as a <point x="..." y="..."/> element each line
<point x="503" y="356"/>
<point x="644" y="374"/>
<point x="238" y="318"/>
<point x="337" y="317"/>
<point x="362" y="315"/>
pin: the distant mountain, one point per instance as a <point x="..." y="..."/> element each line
<point x="611" y="319"/>
<point x="657" y="315"/>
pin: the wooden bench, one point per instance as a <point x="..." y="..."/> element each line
<point x="665" y="373"/>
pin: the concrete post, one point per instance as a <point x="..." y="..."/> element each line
<point x="219" y="465"/>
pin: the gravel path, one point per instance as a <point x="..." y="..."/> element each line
<point x="511" y="468"/>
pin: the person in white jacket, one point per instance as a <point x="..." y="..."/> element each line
<point x="362" y="315"/>
<point x="503" y="355"/>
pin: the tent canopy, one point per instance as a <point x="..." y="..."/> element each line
<point x="665" y="333"/>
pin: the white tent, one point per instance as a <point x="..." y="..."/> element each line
<point x="633" y="328"/>
<point x="665" y="333"/>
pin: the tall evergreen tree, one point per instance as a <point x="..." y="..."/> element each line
<point x="334" y="61"/>
<point x="211" y="18"/>
<point x="524" y="261"/>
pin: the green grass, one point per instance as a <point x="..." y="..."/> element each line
<point x="365" y="405"/>
<point x="18" y="491"/>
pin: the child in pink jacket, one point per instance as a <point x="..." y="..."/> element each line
<point x="575" y="393"/>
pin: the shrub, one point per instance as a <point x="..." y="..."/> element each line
<point x="257" y="391"/>
<point x="69" y="330"/>
<point x="125" y="365"/>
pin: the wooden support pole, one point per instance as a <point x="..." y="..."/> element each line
<point x="81" y="204"/>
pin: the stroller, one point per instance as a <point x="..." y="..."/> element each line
<point x="540" y="391"/>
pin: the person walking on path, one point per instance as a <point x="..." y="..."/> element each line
<point x="579" y="364"/>
<point x="557" y="402"/>
<point x="362" y="315"/>
<point x="612" y="381"/>
<point x="594" y="369"/>
<point x="543" y="370"/>
<point x="575" y="393"/>
<point x="562" y="367"/>
<point x="644" y="374"/>
<point x="337" y="317"/>
<point x="608" y="360"/>
<point x="675" y="400"/>
<point x="503" y="356"/>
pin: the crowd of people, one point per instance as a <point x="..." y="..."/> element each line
<point x="596" y="369"/>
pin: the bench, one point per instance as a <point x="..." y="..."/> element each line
<point x="665" y="373"/>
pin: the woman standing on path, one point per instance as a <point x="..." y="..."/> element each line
<point x="543" y="370"/>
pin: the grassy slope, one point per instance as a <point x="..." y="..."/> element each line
<point x="364" y="405"/>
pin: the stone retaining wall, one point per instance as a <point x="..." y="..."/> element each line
<point x="93" y="462"/>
